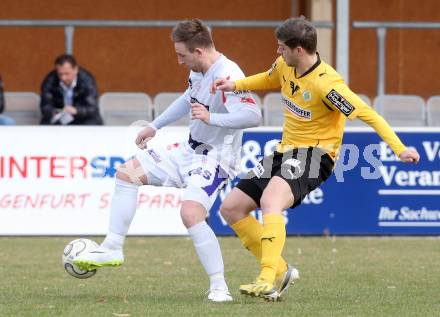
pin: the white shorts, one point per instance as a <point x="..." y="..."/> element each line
<point x="179" y="166"/>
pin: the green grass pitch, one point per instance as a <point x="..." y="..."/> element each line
<point x="343" y="276"/>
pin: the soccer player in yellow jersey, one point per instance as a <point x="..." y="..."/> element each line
<point x="317" y="102"/>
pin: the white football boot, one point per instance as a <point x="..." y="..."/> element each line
<point x="289" y="278"/>
<point x="219" y="295"/>
<point x="99" y="258"/>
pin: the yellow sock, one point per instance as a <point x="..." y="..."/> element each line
<point x="249" y="230"/>
<point x="272" y="243"/>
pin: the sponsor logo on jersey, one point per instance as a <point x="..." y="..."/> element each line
<point x="247" y="100"/>
<point x="241" y="92"/>
<point x="297" y="110"/>
<point x="173" y="146"/>
<point x="294" y="87"/>
<point x="156" y="157"/>
<point x="340" y="102"/>
<point x="307" y="96"/>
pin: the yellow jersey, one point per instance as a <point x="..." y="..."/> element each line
<point x="316" y="105"/>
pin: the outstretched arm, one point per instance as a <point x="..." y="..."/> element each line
<point x="262" y="81"/>
<point x="222" y="84"/>
<point x="145" y="135"/>
<point x="175" y="111"/>
<point x="378" y="123"/>
<point x="409" y="156"/>
<point x="342" y="99"/>
<point x="245" y="116"/>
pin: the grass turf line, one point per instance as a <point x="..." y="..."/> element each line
<point x="162" y="276"/>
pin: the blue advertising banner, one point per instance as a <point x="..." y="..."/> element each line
<point x="370" y="192"/>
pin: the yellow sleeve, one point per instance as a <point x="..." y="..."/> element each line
<point x="267" y="80"/>
<point x="378" y="123"/>
<point x="337" y="95"/>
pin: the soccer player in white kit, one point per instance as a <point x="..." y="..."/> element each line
<point x="202" y="164"/>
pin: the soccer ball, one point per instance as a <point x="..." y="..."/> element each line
<point x="72" y="250"/>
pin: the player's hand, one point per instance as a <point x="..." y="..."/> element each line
<point x="200" y="112"/>
<point x="223" y="85"/>
<point x="145" y="135"/>
<point x="409" y="156"/>
<point x="70" y="109"/>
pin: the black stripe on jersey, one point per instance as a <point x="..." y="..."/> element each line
<point x="329" y="108"/>
<point x="311" y="69"/>
<point x="194" y="100"/>
<point x="340" y="102"/>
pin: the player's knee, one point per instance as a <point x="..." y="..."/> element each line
<point x="192" y="214"/>
<point x="233" y="211"/>
<point x="227" y="210"/>
<point x="123" y="175"/>
<point x="131" y="172"/>
<point x="189" y="219"/>
<point x="268" y="204"/>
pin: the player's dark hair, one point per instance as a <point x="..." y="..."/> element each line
<point x="194" y="33"/>
<point x="296" y="32"/>
<point x="65" y="58"/>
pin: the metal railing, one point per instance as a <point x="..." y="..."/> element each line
<point x="70" y="25"/>
<point x="381" y="31"/>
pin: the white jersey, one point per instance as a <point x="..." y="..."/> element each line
<point x="205" y="161"/>
<point x="230" y="112"/>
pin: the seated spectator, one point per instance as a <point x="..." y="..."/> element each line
<point x="69" y="95"/>
<point x="3" y="119"/>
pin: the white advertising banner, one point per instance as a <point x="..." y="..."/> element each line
<point x="59" y="181"/>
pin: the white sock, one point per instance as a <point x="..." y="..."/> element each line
<point x="113" y="241"/>
<point x="208" y="250"/>
<point x="123" y="208"/>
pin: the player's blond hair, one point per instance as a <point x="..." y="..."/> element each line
<point x="194" y="33"/>
<point x="296" y="32"/>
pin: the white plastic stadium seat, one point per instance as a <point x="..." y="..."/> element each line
<point x="433" y="109"/>
<point x="366" y="99"/>
<point x="124" y="108"/>
<point x="23" y="107"/>
<point x="401" y="110"/>
<point x="163" y="100"/>
<point x="273" y="109"/>
<point x="357" y="122"/>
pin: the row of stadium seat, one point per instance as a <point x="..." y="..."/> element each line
<point x="120" y="109"/>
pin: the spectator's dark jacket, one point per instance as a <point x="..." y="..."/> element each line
<point x="85" y="99"/>
<point x="2" y="97"/>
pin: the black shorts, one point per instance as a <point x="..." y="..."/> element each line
<point x="303" y="169"/>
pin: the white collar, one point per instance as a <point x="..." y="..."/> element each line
<point x="73" y="85"/>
